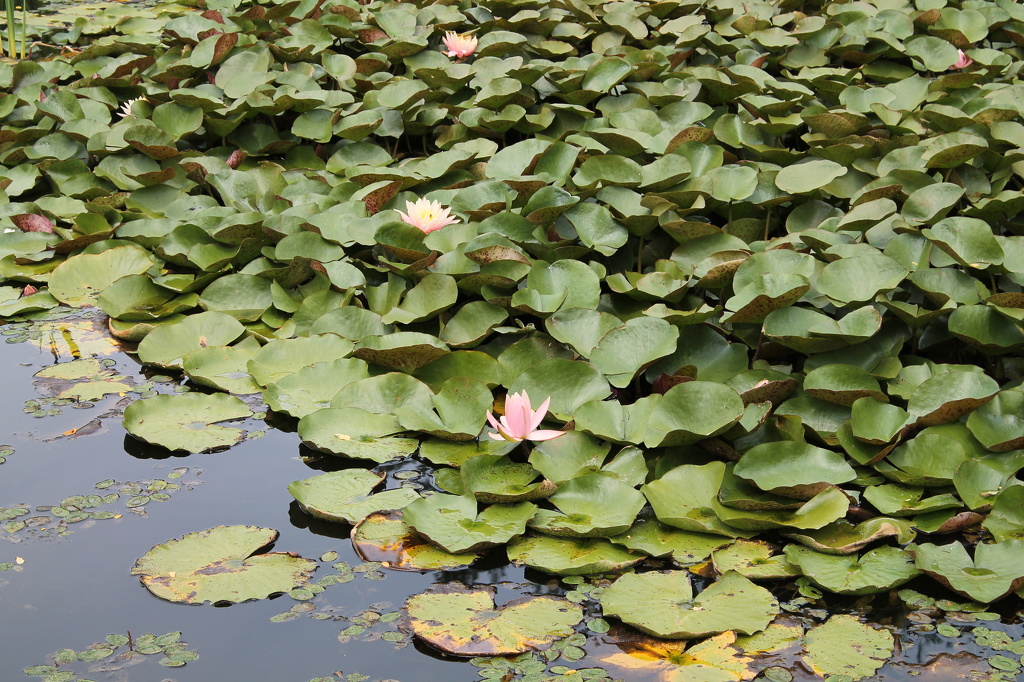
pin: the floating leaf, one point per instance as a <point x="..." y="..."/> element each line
<point x="464" y="620"/>
<point x="452" y="522"/>
<point x="186" y="422"/>
<point x="844" y="646"/>
<point x="876" y="571"/>
<point x="661" y="603"/>
<point x="384" y="537"/>
<point x="221" y="564"/>
<point x="995" y="571"/>
<point x="571" y="556"/>
<point x="344" y="496"/>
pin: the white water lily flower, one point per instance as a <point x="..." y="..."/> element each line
<point x="126" y="108"/>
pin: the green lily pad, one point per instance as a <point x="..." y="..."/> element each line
<point x="995" y="571"/>
<point x="282" y="357"/>
<point x="221" y="564"/>
<point x="754" y="559"/>
<point x="221" y="367"/>
<point x="167" y="345"/>
<point x="354" y="432"/>
<point x="571" y="556"/>
<point x="186" y="422"/>
<point x="843" y="646"/>
<point x="406" y="351"/>
<point x="661" y="603"/>
<point x="842" y="537"/>
<point x="948" y="396"/>
<point x="464" y="621"/>
<point x="590" y="506"/>
<point x="344" y="496"/>
<point x="383" y="537"/>
<point x="878" y="570"/>
<point x="79" y="281"/>
<point x="998" y="424"/>
<point x="876" y="422"/>
<point x="626" y="350"/>
<point x="459" y="413"/>
<point x="497" y="479"/>
<point x="312" y="387"/>
<point x="692" y="411"/>
<point x="452" y="522"/>
<point x="1006" y="519"/>
<point x="827" y="506"/>
<point x="650" y="536"/>
<point x="793" y="469"/>
<point x="684" y="496"/>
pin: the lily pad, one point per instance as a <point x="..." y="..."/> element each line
<point x="186" y="422"/>
<point x="590" y="506"/>
<point x="793" y="469"/>
<point x="995" y="571"/>
<point x="465" y="621"/>
<point x="352" y="432"/>
<point x="452" y="522"/>
<point x="384" y="537"/>
<point x="344" y="496"/>
<point x="844" y="646"/>
<point x="497" y="479"/>
<point x="221" y="564"/>
<point x="79" y="281"/>
<point x="650" y="536"/>
<point x="878" y="570"/>
<point x="754" y="559"/>
<point x="661" y="603"/>
<point x="571" y="556"/>
<point x="167" y="345"/>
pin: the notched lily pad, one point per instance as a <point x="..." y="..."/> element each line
<point x="995" y="571"/>
<point x="221" y="564"/>
<point x="464" y="621"/>
<point x="571" y="556"/>
<point x="344" y="496"/>
<point x="384" y="537"/>
<point x="186" y="422"/>
<point x="843" y="646"/>
<point x="661" y="603"/>
<point x="876" y="571"/>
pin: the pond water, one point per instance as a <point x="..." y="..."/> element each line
<point x="70" y="585"/>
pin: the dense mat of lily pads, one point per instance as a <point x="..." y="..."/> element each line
<point x="762" y="262"/>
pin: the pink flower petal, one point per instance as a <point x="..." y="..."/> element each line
<point x="516" y="415"/>
<point x="545" y="435"/>
<point x="539" y="415"/>
<point x="491" y="420"/>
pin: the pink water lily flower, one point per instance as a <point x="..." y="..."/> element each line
<point x="963" y="61"/>
<point x="521" y="421"/>
<point x="427" y="215"/>
<point x="459" y="46"/>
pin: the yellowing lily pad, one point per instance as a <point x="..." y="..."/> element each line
<point x="464" y="621"/>
<point x="385" y="537"/>
<point x="221" y="564"/>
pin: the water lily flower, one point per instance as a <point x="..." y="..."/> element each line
<point x="521" y="421"/>
<point x="126" y="108"/>
<point x="963" y="61"/>
<point x="459" y="46"/>
<point x="427" y="215"/>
